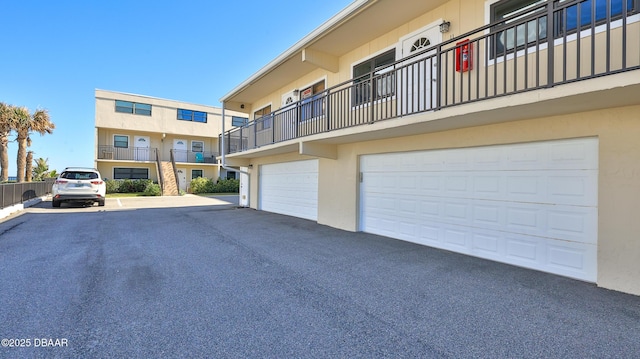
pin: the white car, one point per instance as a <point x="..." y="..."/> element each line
<point x="79" y="184"/>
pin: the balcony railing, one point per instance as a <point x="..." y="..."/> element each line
<point x="194" y="157"/>
<point x="551" y="44"/>
<point x="150" y="154"/>
<point x="126" y="154"/>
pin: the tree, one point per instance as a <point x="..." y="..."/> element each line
<point x="6" y="118"/>
<point x="28" y="172"/>
<point x="25" y="124"/>
<point x="41" y="169"/>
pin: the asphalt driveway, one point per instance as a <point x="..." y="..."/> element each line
<point x="202" y="278"/>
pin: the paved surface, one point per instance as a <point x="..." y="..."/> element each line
<point x="197" y="277"/>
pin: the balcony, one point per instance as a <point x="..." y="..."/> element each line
<point x="126" y="154"/>
<point x="149" y="154"/>
<point x="194" y="157"/>
<point x="542" y="47"/>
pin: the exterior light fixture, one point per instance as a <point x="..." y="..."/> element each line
<point x="444" y="27"/>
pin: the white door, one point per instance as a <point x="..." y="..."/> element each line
<point x="180" y="150"/>
<point x="290" y="188"/>
<point x="417" y="76"/>
<point x="141" y="146"/>
<point x="244" y="187"/>
<point x="287" y="119"/>
<point x="533" y="205"/>
<point x="182" y="179"/>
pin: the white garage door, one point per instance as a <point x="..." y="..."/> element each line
<point x="533" y="205"/>
<point x="290" y="188"/>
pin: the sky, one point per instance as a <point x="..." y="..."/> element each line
<point x="55" y="54"/>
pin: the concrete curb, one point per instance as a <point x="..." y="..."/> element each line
<point x="7" y="211"/>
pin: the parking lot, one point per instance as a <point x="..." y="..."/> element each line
<point x="199" y="277"/>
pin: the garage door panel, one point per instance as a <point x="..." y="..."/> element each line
<point x="290" y="188"/>
<point x="550" y="186"/>
<point x="532" y="205"/>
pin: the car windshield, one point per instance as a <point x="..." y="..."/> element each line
<point x="79" y="175"/>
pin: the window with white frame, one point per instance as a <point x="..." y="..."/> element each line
<point x="190" y="115"/>
<point x="130" y="173"/>
<point x="133" y="108"/>
<point x="196" y="174"/>
<point x="197" y="146"/>
<point x="569" y="16"/>
<point x="584" y="13"/>
<point x="121" y="141"/>
<point x="510" y="36"/>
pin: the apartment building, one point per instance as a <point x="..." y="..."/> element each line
<point x="502" y="129"/>
<point x="171" y="142"/>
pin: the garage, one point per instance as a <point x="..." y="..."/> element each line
<point x="533" y="205"/>
<point x="290" y="188"/>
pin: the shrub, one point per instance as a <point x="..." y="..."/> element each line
<point x="113" y="186"/>
<point x="152" y="189"/>
<point x="140" y="185"/>
<point x="227" y="186"/>
<point x="127" y="185"/>
<point x="201" y="185"/>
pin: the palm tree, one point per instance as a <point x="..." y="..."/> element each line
<point x="41" y="169"/>
<point x="6" y="117"/>
<point x="24" y="125"/>
<point x="28" y="172"/>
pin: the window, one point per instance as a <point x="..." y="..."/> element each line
<point x="584" y="12"/>
<point x="263" y="118"/>
<point x="79" y="175"/>
<point x="197" y="146"/>
<point x="508" y="36"/>
<point x="239" y="121"/>
<point x="133" y="107"/>
<point x="312" y="101"/>
<point x="383" y="86"/>
<point x="121" y="141"/>
<point x="189" y="115"/>
<point x="196" y="174"/>
<point x="130" y="173"/>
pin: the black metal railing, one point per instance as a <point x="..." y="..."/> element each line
<point x="126" y="154"/>
<point x="151" y="154"/>
<point x="194" y="157"/>
<point x="14" y="193"/>
<point x="551" y="44"/>
<point x="160" y="172"/>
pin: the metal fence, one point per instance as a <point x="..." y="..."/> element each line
<point x="549" y="44"/>
<point x="127" y="154"/>
<point x="14" y="193"/>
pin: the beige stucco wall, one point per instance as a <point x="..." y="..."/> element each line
<point x="163" y="117"/>
<point x="105" y="138"/>
<point x="617" y="129"/>
<point x="466" y="16"/>
<point x="106" y="168"/>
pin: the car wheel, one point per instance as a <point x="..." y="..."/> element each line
<point x="55" y="203"/>
<point x="101" y="203"/>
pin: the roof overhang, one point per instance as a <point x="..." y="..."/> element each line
<point x="356" y="25"/>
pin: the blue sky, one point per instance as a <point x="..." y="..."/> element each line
<point x="56" y="53"/>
